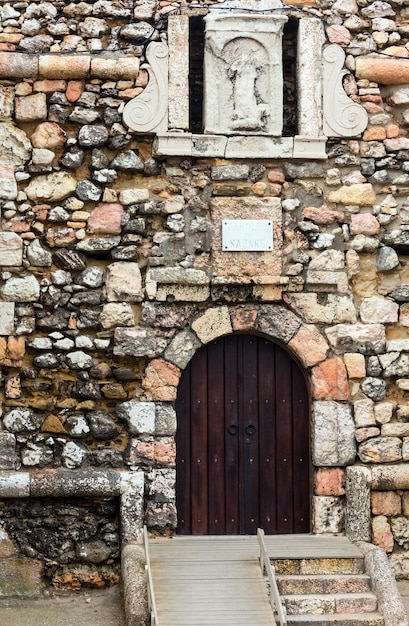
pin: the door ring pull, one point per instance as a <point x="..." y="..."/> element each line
<point x="250" y="428"/>
<point x="232" y="428"/>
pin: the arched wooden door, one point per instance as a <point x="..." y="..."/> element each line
<point x="242" y="443"/>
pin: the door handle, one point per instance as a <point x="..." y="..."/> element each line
<point x="232" y="428"/>
<point x="250" y="428"/>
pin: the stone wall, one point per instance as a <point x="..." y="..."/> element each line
<point x="113" y="275"/>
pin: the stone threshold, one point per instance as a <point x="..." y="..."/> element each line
<point x="128" y="486"/>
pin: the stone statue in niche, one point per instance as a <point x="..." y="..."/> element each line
<point x="246" y="69"/>
<point x="243" y="82"/>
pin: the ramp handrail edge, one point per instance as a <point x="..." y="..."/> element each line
<point x="151" y="594"/>
<point x="266" y="566"/>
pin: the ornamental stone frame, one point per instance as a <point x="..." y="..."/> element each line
<point x="243" y="93"/>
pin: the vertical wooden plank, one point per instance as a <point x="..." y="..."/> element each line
<point x="267" y="425"/>
<point x="301" y="452"/>
<point x="232" y="435"/>
<point x="284" y="449"/>
<point x="199" y="467"/>
<point x="250" y="433"/>
<point x="215" y="430"/>
<point x="183" y="458"/>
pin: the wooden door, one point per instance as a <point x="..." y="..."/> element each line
<point x="242" y="443"/>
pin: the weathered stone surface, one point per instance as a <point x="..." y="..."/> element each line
<point x="138" y="342"/>
<point x="357" y="522"/>
<point x="387" y="259"/>
<point x="161" y="380"/>
<point x="361" y="194"/>
<point x="278" y="322"/>
<point x="309" y="345"/>
<point x="329" y="482"/>
<point x="21" y="421"/>
<point x="8" y="456"/>
<point x="329" y="380"/>
<point x="364" y="413"/>
<point x="213" y="323"/>
<point x="51" y="188"/>
<point x="355" y="364"/>
<point x="379" y="310"/>
<point x="328" y="514"/>
<point x="11" y="249"/>
<point x="363" y="338"/>
<point x="383" y="412"/>
<point x="124" y="282"/>
<point x="48" y="135"/>
<point x="333" y="439"/>
<point x="182" y="348"/>
<point x="336" y="309"/>
<point x="386" y="503"/>
<point x="382" y="534"/>
<point x="116" y="314"/>
<point x="374" y="388"/>
<point x="380" y="450"/>
<point x="21" y="289"/>
<point x="21" y="577"/>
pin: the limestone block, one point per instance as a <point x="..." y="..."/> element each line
<point x="398" y="367"/>
<point x="380" y="450"/>
<point x="31" y="108"/>
<point x="364" y="224"/>
<point x="139" y="417"/>
<point x="333" y="436"/>
<point x="382" y="534"/>
<point x="51" y="188"/>
<point x="358" y="511"/>
<point x="309" y="345"/>
<point x="182" y="348"/>
<point x="132" y="506"/>
<point x="124" y="282"/>
<point x="277" y="321"/>
<point x="328" y="514"/>
<point x="82" y="483"/>
<point x="8" y="184"/>
<point x="178" y="40"/>
<point x="18" y="65"/>
<point x="395" y="429"/>
<point x="161" y="380"/>
<point x="329" y="380"/>
<point x="65" y="66"/>
<point x="322" y="280"/>
<point x="21" y="289"/>
<point x="165" y="419"/>
<point x="139" y="342"/>
<point x="363" y="338"/>
<point x="364" y="413"/>
<point x="329" y="260"/>
<point x="336" y="309"/>
<point x="244" y="263"/>
<point x="214" y="322"/>
<point x="355" y="364"/>
<point x="360" y="194"/>
<point x="379" y="310"/>
<point x="11" y="249"/>
<point x="115" y="314"/>
<point x="383" y="412"/>
<point x="186" y="285"/>
<point x="133" y="196"/>
<point x="15" y="147"/>
<point x="115" y="68"/>
<point x="386" y="503"/>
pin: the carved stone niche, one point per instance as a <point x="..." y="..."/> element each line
<point x="243" y="92"/>
<point x="243" y="88"/>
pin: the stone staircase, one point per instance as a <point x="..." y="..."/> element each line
<point x="327" y="591"/>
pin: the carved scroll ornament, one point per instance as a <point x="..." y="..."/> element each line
<point x="342" y="116"/>
<point x="148" y="112"/>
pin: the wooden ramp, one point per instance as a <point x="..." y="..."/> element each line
<point x="208" y="581"/>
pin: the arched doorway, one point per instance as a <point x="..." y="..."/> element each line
<point x="242" y="441"/>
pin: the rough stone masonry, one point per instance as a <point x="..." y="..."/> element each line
<point x="112" y="276"/>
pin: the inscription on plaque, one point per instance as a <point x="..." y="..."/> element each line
<point x="247" y="235"/>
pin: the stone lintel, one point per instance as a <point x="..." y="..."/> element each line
<point x="253" y="280"/>
<point x="390" y="477"/>
<point x="68" y="483"/>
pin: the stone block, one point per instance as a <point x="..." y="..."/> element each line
<point x="17" y="65"/>
<point x="165" y="419"/>
<point x="14" y="484"/>
<point x="329" y="380"/>
<point x="363" y="338"/>
<point x="405" y="503"/>
<point x="162" y="485"/>
<point x="386" y="503"/>
<point x="328" y="514"/>
<point x="309" y="345"/>
<point x="8" y="456"/>
<point x="115" y="68"/>
<point x="361" y="194"/>
<point x="66" y="483"/>
<point x="355" y="364"/>
<point x="390" y="477"/>
<point x="277" y="321"/>
<point x="8" y="184"/>
<point x="20" y="577"/>
<point x="11" y="249"/>
<point x="381" y="533"/>
<point x="65" y="66"/>
<point x="161" y="380"/>
<point x="333" y="437"/>
<point x="364" y="413"/>
<point x="138" y="342"/>
<point x="383" y="412"/>
<point x="380" y="450"/>
<point x="379" y="310"/>
<point x="213" y="323"/>
<point x="124" y="282"/>
<point x="182" y="348"/>
<point x="179" y="284"/>
<point x="132" y="506"/>
<point x="51" y="188"/>
<point x="329" y="481"/>
<point x="139" y="417"/>
<point x="31" y="108"/>
<point x="400" y="530"/>
<point x="336" y="308"/>
<point x="395" y="429"/>
<point x="246" y="263"/>
<point x="6" y="316"/>
<point x="116" y="314"/>
<point x="358" y="510"/>
<point x="134" y="584"/>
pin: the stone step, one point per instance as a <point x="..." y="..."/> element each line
<point x="337" y="619"/>
<point x="310" y="567"/>
<point x="327" y="583"/>
<point x="323" y="604"/>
